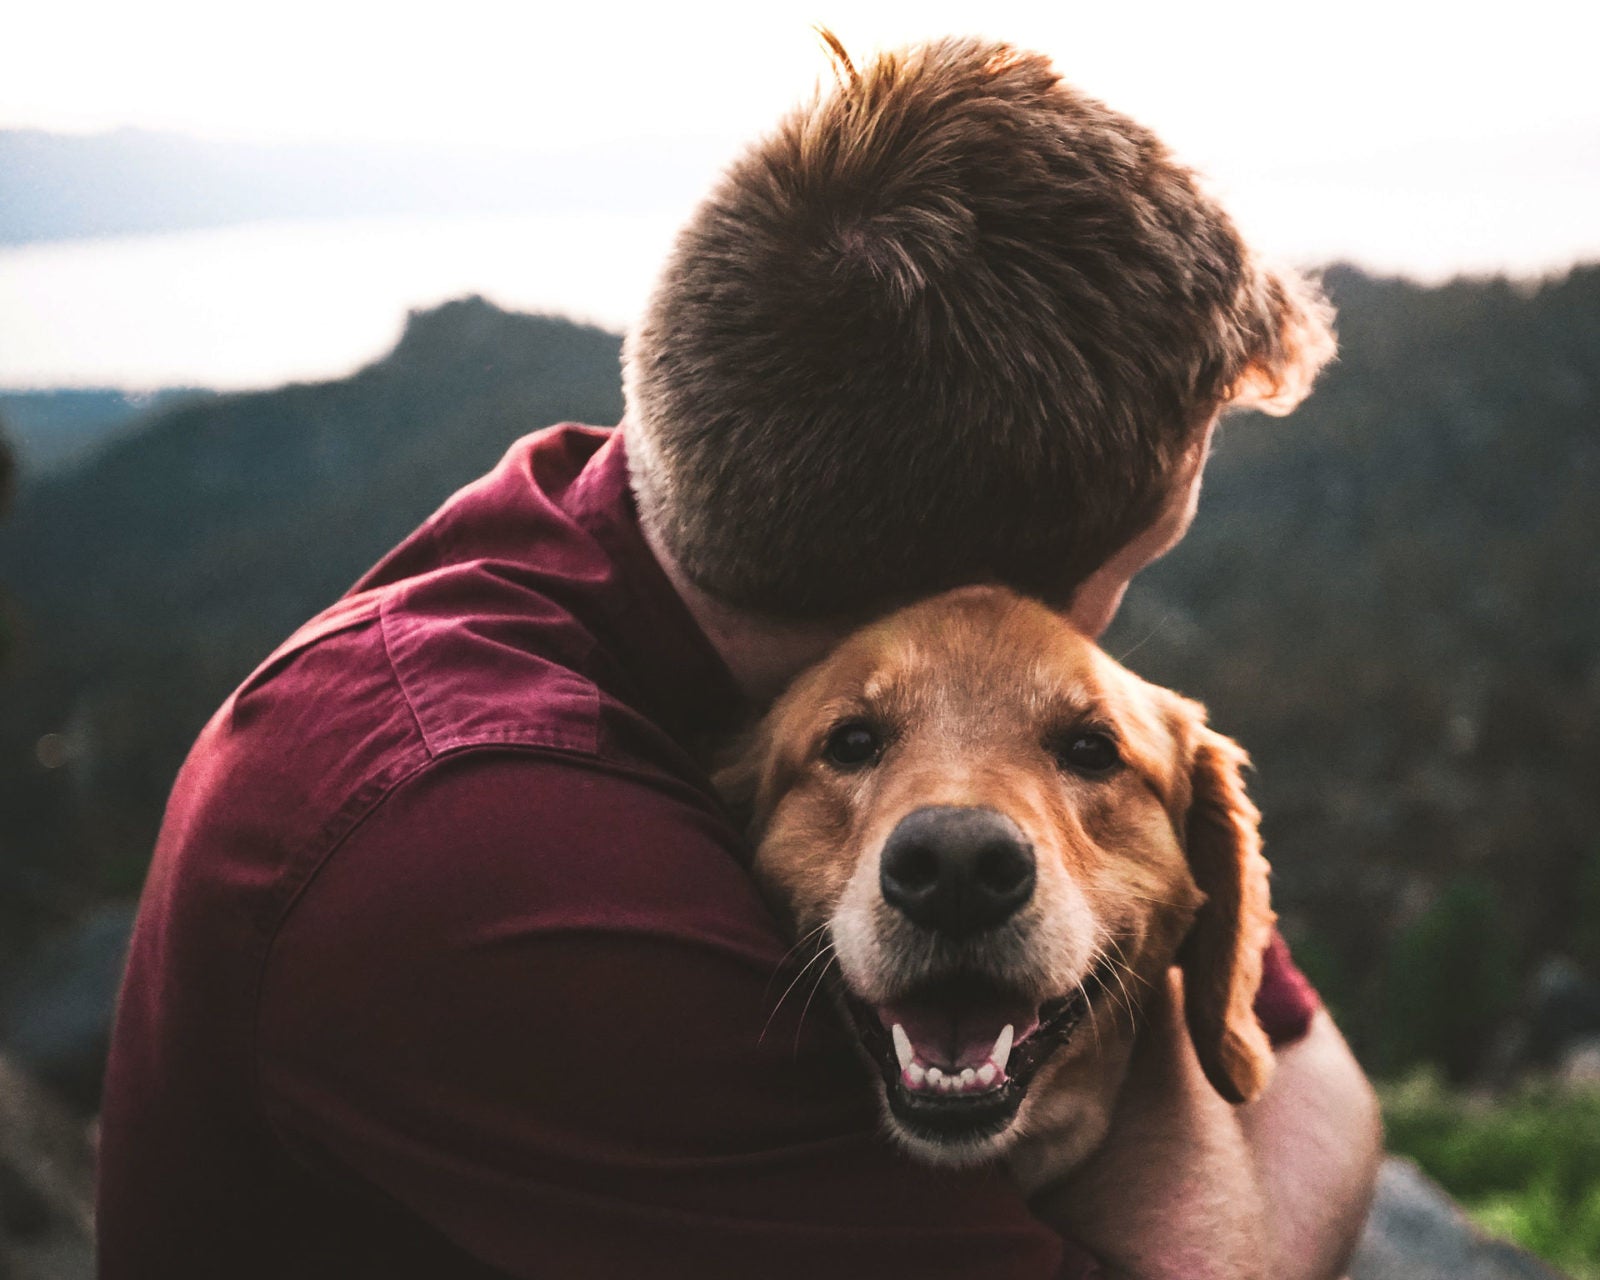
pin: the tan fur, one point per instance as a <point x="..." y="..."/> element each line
<point x="1154" y="866"/>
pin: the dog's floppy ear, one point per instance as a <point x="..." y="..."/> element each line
<point x="752" y="771"/>
<point x="736" y="774"/>
<point x="1221" y="957"/>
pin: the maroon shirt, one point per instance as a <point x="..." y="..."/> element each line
<point x="449" y="963"/>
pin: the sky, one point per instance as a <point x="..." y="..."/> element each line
<point x="1421" y="138"/>
<point x="1229" y="77"/>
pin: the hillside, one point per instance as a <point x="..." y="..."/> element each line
<point x="56" y="429"/>
<point x="152" y="579"/>
<point x="1390" y="598"/>
<point x="1393" y="600"/>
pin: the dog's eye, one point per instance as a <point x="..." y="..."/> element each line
<point x="852" y="744"/>
<point x="1091" y="753"/>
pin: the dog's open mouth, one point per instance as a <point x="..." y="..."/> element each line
<point x="957" y="1054"/>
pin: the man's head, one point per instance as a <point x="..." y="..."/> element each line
<point x="952" y="322"/>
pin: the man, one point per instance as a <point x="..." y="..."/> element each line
<point x="449" y="964"/>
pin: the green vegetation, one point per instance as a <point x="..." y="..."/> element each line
<point x="1526" y="1167"/>
<point x="1447" y="975"/>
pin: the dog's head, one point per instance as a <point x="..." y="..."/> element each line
<point x="1002" y="834"/>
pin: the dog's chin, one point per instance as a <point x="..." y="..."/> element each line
<point x="956" y="1057"/>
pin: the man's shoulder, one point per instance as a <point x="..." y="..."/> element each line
<point x="534" y="842"/>
<point x="449" y="675"/>
<point x="373" y="691"/>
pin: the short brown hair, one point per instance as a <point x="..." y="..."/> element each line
<point x="952" y="322"/>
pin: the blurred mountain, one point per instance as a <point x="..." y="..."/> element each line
<point x="8" y="468"/>
<point x="148" y="581"/>
<point x="55" y="429"/>
<point x="133" y="181"/>
<point x="1392" y="599"/>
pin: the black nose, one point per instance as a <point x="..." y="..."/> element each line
<point x="957" y="871"/>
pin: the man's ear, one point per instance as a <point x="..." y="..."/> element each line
<point x="1221" y="957"/>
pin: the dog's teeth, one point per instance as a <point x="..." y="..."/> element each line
<point x="949" y="1084"/>
<point x="969" y="1077"/>
<point x="902" y="1046"/>
<point x="915" y="1075"/>
<point x="1002" y="1047"/>
<point x="986" y="1074"/>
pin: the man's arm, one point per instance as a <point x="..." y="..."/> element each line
<point x="1316" y="1140"/>
<point x="531" y="1002"/>
<point x="1190" y="1188"/>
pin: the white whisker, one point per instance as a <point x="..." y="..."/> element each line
<point x="1151" y="635"/>
<point x="1119" y="965"/>
<point x="806" y="1008"/>
<point x="821" y="953"/>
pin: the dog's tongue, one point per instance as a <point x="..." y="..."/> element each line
<point x="953" y="1031"/>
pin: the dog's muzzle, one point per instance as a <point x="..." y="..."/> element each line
<point x="958" y="1047"/>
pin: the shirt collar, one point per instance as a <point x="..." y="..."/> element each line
<point x="681" y="680"/>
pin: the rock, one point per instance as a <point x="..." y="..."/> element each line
<point x="56" y="1018"/>
<point x="1579" y="1068"/>
<point x="1564" y="1009"/>
<point x="46" y="1184"/>
<point x="1416" y="1232"/>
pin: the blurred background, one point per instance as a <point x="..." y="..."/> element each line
<point x="275" y="281"/>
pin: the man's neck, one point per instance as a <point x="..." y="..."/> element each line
<point x="764" y="654"/>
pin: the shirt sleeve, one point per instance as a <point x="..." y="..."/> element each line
<point x="1286" y="1000"/>
<point x="538" y="1004"/>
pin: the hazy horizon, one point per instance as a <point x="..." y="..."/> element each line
<point x="1388" y="138"/>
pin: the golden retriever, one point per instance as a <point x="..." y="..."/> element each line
<point x="1004" y="843"/>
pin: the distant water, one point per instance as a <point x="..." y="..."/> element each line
<point x="258" y="305"/>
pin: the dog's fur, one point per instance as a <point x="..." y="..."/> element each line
<point x="975" y="697"/>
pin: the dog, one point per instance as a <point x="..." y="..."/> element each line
<point x="1019" y="859"/>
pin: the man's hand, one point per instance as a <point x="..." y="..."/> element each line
<point x="1316" y="1141"/>
<point x="1190" y="1188"/>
